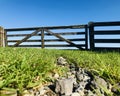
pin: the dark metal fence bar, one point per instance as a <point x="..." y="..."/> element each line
<point x="104" y="33"/>
<point x="107" y="32"/>
<point x="115" y="23"/>
<point x="107" y="40"/>
<point x="86" y="37"/>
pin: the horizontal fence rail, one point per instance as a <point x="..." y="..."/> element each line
<point x="65" y="37"/>
<point x="51" y="27"/>
<point x="104" y="35"/>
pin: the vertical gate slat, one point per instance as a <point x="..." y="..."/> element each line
<point x="91" y="36"/>
<point x="2" y="37"/>
<point x="86" y="37"/>
<point x="42" y="38"/>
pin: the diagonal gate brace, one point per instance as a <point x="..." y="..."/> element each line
<point x="27" y="37"/>
<point x="61" y="38"/>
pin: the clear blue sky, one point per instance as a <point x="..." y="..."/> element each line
<point x="32" y="13"/>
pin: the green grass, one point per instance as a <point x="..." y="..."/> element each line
<point x="22" y="68"/>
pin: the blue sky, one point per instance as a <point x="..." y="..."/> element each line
<point x="32" y="13"/>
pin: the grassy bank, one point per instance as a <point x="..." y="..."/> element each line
<point x="28" y="67"/>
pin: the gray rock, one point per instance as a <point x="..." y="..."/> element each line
<point x="83" y="80"/>
<point x="61" y="61"/>
<point x="81" y="75"/>
<point x="70" y="75"/>
<point x="75" y="94"/>
<point x="100" y="86"/>
<point x="72" y="67"/>
<point x="90" y="93"/>
<point x="45" y="91"/>
<point x="65" y="86"/>
<point x="56" y="75"/>
<point x="42" y="91"/>
<point x="116" y="89"/>
<point x="81" y="87"/>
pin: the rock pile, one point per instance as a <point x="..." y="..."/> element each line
<point x="80" y="82"/>
<point x="77" y="82"/>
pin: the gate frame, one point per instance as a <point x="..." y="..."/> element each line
<point x="48" y="30"/>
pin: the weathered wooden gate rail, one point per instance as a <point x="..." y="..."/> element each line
<point x="42" y="32"/>
<point x="47" y="31"/>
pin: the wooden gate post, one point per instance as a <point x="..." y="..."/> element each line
<point x="86" y="37"/>
<point x="2" y="37"/>
<point x="91" y="35"/>
<point x="42" y="38"/>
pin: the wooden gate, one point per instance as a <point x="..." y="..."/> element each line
<point x="65" y="37"/>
